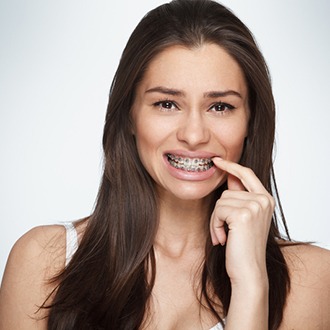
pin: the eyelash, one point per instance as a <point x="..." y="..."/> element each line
<point x="228" y="107"/>
<point x="160" y="104"/>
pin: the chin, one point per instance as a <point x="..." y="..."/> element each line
<point x="192" y="194"/>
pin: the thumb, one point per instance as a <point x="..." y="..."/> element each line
<point x="234" y="183"/>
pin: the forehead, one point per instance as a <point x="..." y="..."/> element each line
<point x="200" y="69"/>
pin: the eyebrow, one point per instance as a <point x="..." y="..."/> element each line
<point x="177" y="92"/>
<point x="165" y="90"/>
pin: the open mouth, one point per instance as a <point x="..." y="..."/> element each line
<point x="190" y="164"/>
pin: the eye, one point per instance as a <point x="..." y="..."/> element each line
<point x="221" y="107"/>
<point x="166" y="105"/>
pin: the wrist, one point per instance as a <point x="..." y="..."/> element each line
<point x="251" y="291"/>
<point x="256" y="282"/>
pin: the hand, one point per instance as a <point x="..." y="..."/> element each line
<point x="247" y="208"/>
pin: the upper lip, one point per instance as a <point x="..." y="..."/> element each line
<point x="191" y="154"/>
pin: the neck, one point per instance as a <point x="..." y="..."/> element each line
<point x="183" y="225"/>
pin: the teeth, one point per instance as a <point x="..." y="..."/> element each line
<point x="190" y="164"/>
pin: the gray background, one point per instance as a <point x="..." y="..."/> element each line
<point x="57" y="59"/>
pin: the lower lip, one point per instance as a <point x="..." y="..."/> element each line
<point x="189" y="176"/>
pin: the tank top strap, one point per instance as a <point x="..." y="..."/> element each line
<point x="217" y="327"/>
<point x="71" y="241"/>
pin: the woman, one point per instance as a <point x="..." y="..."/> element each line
<point x="184" y="234"/>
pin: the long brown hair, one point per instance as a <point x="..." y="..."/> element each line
<point x="110" y="278"/>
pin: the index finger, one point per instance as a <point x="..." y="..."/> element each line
<point x="249" y="180"/>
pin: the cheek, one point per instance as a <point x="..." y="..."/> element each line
<point x="235" y="150"/>
<point x="143" y="142"/>
<point x="232" y="139"/>
<point x="148" y="138"/>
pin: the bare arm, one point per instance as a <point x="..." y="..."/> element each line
<point x="35" y="258"/>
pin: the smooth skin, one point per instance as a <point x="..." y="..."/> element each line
<point x="185" y="116"/>
<point x="246" y="207"/>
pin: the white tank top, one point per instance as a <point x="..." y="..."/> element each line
<point x="72" y="246"/>
<point x="71" y="241"/>
<point x="217" y="327"/>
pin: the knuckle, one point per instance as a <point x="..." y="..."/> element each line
<point x="225" y="193"/>
<point x="254" y="206"/>
<point x="218" y="203"/>
<point x="264" y="201"/>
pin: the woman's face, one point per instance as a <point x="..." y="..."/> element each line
<point x="190" y="106"/>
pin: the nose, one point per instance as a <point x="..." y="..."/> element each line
<point x="193" y="130"/>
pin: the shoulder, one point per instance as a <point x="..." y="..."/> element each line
<point x="42" y="245"/>
<point x="34" y="259"/>
<point x="308" y="263"/>
<point x="309" y="297"/>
